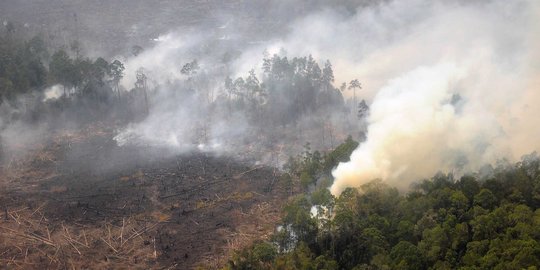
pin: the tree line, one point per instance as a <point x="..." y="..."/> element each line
<point x="285" y="90"/>
<point x="486" y="220"/>
<point x="283" y="99"/>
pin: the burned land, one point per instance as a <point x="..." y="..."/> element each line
<point x="130" y="207"/>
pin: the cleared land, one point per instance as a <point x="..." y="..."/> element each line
<point x="81" y="201"/>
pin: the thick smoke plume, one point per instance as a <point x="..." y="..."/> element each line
<point x="458" y="89"/>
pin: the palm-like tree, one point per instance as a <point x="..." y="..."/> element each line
<point x="353" y="85"/>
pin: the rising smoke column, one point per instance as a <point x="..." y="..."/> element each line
<point x="472" y="102"/>
<point x="418" y="126"/>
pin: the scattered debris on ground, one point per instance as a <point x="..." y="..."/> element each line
<point x="80" y="201"/>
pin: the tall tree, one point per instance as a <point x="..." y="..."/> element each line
<point x="354" y="84"/>
<point x="116" y="71"/>
<point x="142" y="85"/>
<point x="327" y="73"/>
<point x="61" y="69"/>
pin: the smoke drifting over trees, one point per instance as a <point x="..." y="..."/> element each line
<point x="285" y="100"/>
<point x="437" y="78"/>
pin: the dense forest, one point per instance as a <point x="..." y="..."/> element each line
<point x="486" y="220"/>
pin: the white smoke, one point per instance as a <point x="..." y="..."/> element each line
<point x="485" y="52"/>
<point x="53" y="92"/>
<point x="163" y="61"/>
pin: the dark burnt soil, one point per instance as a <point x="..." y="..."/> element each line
<point x="93" y="204"/>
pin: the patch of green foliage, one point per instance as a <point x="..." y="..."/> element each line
<point x="488" y="222"/>
<point x="311" y="166"/>
<point x="21" y="66"/>
<point x="342" y="153"/>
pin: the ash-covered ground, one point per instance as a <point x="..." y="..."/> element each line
<point x="79" y="200"/>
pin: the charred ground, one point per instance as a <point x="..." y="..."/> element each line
<point x="79" y="200"/>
